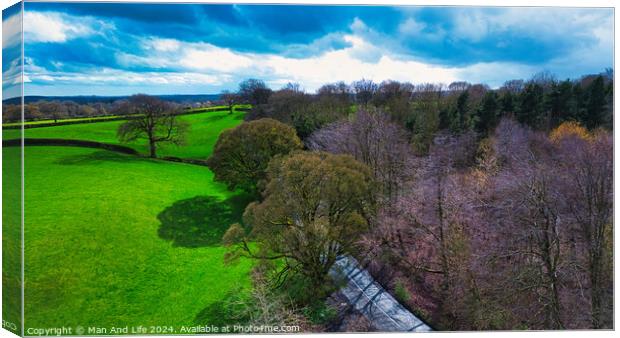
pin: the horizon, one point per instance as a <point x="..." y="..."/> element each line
<point x="191" y="49"/>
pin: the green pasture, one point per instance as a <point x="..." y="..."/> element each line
<point x="120" y="240"/>
<point x="108" y="117"/>
<point x="202" y="135"/>
<point x="114" y="240"/>
<point x="78" y="119"/>
<point x="11" y="238"/>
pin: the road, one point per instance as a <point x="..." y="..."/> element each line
<point x="368" y="297"/>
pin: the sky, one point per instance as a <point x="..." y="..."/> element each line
<point x="122" y="49"/>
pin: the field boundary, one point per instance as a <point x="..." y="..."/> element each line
<point x="110" y="118"/>
<point x="69" y="143"/>
<point x="60" y="142"/>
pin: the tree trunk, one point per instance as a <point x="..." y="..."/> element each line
<point x="595" y="293"/>
<point x="152" y="149"/>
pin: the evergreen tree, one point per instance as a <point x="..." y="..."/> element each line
<point x="508" y="103"/>
<point x="487" y="113"/>
<point x="459" y="115"/>
<point x="596" y="104"/>
<point x="558" y="102"/>
<point x="531" y="109"/>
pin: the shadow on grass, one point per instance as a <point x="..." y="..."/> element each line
<point x="215" y="118"/>
<point x="201" y="220"/>
<point x="228" y="311"/>
<point x="95" y="157"/>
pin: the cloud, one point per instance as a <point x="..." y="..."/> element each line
<point x="53" y="27"/>
<point x="411" y="27"/>
<point x="11" y="30"/>
<point x="91" y="45"/>
<point x="170" y="53"/>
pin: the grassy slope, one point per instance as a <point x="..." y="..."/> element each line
<point x="203" y="133"/>
<point x="11" y="238"/>
<point x="94" y="255"/>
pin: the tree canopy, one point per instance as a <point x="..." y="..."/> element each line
<point x="242" y="154"/>
<point x="316" y="205"/>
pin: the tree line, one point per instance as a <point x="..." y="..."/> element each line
<point x="542" y="103"/>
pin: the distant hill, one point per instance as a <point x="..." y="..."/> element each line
<point x="94" y="99"/>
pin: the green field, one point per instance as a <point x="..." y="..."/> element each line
<point x="115" y="240"/>
<point x="201" y="138"/>
<point x="11" y="238"/>
<point x="84" y="119"/>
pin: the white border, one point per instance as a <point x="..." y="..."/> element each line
<point x="505" y="3"/>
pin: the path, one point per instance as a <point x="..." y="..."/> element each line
<point x="368" y="297"/>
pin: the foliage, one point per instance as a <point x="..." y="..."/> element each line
<point x="401" y="293"/>
<point x="315" y="207"/>
<point x="242" y="154"/>
<point x="567" y="130"/>
<point x="319" y="312"/>
<point x="254" y="91"/>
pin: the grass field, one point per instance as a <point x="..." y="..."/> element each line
<point x="78" y="119"/>
<point x="11" y="238"/>
<point x="117" y="240"/>
<point x="113" y="239"/>
<point x="108" y="117"/>
<point x="203" y="133"/>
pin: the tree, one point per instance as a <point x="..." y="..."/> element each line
<point x="530" y="110"/>
<point x="595" y="104"/>
<point x="52" y="109"/>
<point x="558" y="103"/>
<point x="394" y="97"/>
<point x="460" y="120"/>
<point x="254" y="91"/>
<point x="427" y="118"/>
<point x="371" y="138"/>
<point x="459" y="86"/>
<point x="316" y="205"/>
<point x="230" y="99"/>
<point x="588" y="165"/>
<point x="241" y="154"/>
<point x="156" y="121"/>
<point x="487" y="113"/>
<point x="364" y="91"/>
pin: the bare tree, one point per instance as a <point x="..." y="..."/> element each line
<point x="588" y="166"/>
<point x="364" y="91"/>
<point x="373" y="139"/>
<point x="156" y="121"/>
<point x="230" y="99"/>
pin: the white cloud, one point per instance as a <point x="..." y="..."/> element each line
<point x="12" y="75"/>
<point x="411" y="27"/>
<point x="200" y="64"/>
<point x="541" y="23"/>
<point x="494" y="73"/>
<point x="54" y="27"/>
<point x="344" y="65"/>
<point x="208" y="57"/>
<point x="196" y="64"/>
<point x="170" y="53"/>
<point x="471" y="26"/>
<point x="12" y="30"/>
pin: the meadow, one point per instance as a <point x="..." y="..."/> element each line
<point x="115" y="240"/>
<point x="201" y="137"/>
